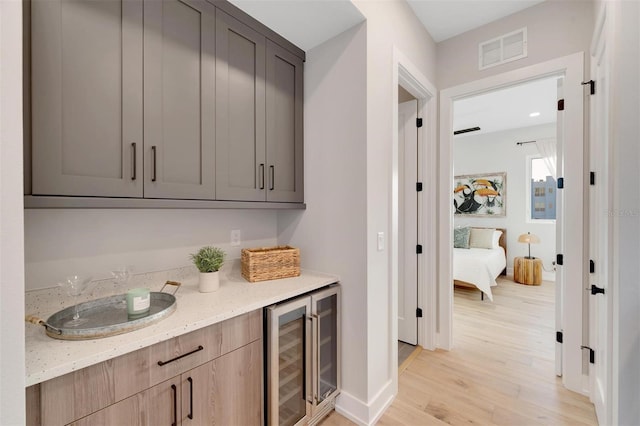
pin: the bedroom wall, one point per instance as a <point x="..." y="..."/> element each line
<point x="498" y="152"/>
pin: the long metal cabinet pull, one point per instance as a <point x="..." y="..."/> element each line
<point x="175" y="405"/>
<point x="272" y="177"/>
<point x="134" y="162"/>
<point x="190" y="380"/>
<point x="198" y="349"/>
<point x="261" y="176"/>
<point x="153" y="153"/>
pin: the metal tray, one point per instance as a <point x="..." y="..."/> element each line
<point x="107" y="316"/>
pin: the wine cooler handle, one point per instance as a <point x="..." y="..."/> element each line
<point x="308" y="361"/>
<point x="316" y="348"/>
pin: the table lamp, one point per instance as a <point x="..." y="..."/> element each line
<point x="529" y="238"/>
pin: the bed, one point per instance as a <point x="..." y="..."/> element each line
<point x="479" y="267"/>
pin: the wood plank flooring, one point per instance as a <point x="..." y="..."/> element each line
<point x="500" y="372"/>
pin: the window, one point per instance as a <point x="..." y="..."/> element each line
<point x="543" y="191"/>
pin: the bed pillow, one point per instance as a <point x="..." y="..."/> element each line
<point x="481" y="238"/>
<point x="495" y="243"/>
<point x="461" y="237"/>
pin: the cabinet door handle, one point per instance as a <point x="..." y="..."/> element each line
<point x="272" y="177"/>
<point x="198" y="349"/>
<point x="190" y="415"/>
<point x="153" y="171"/>
<point x="261" y="176"/>
<point x="134" y="161"/>
<point x="175" y="405"/>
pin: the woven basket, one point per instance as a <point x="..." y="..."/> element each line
<point x="270" y="263"/>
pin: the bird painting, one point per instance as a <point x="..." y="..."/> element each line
<point x="481" y="195"/>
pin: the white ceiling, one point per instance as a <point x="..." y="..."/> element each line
<point x="308" y="23"/>
<point x="507" y="108"/>
<point x="305" y="23"/>
<point x="447" y="18"/>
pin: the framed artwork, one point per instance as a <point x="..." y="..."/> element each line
<point x="481" y="195"/>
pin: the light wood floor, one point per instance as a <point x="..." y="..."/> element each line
<point x="501" y="370"/>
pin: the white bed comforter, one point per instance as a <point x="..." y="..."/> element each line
<point x="479" y="267"/>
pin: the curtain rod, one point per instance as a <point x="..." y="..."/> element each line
<point x="522" y="143"/>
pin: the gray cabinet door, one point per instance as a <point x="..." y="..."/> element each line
<point x="284" y="125"/>
<point x="179" y="104"/>
<point x="87" y="97"/>
<point x="240" y="111"/>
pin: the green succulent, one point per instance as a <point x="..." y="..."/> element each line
<point x="208" y="259"/>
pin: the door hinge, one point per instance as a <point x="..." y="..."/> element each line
<point x="592" y="178"/>
<point x="419" y="249"/>
<point x="592" y="354"/>
<point x="596" y="290"/>
<point x="559" y="259"/>
<point x="592" y="86"/>
<point x="418" y="122"/>
<point x="418" y="186"/>
<point x="419" y="312"/>
<point x="592" y="266"/>
<point x="560" y="104"/>
<point x="559" y="336"/>
<point x="560" y="183"/>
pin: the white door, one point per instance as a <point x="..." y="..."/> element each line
<point x="560" y="278"/>
<point x="408" y="223"/>
<point x="600" y="226"/>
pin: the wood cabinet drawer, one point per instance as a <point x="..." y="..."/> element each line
<point x="80" y="393"/>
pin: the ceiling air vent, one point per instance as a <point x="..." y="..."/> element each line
<point x="503" y="49"/>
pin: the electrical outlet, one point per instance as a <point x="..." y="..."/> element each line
<point x="235" y="237"/>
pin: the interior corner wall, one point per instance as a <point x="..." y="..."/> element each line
<point x="555" y="28"/>
<point x="331" y="232"/>
<point x="497" y="152"/>
<point x="625" y="127"/>
<point x="12" y="325"/>
<point x="390" y="24"/>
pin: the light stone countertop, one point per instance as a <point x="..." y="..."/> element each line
<point x="47" y="358"/>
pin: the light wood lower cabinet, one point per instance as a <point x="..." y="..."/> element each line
<point x="210" y="376"/>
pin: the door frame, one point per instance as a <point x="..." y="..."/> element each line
<point x="572" y="68"/>
<point x="407" y="75"/>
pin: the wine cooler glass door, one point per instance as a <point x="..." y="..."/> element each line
<point x="327" y="336"/>
<point x="289" y="355"/>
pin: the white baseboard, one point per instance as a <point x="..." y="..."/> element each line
<point x="362" y="413"/>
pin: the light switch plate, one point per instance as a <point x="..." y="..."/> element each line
<point x="380" y="241"/>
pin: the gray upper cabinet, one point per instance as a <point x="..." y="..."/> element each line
<point x="162" y="99"/>
<point x="240" y="111"/>
<point x="87" y="98"/>
<point x="284" y="125"/>
<point x="179" y="99"/>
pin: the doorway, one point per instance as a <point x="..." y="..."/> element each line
<point x="511" y="151"/>
<point x="571" y="272"/>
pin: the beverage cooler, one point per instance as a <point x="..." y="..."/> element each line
<point x="302" y="369"/>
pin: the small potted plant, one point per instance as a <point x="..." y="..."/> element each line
<point x="208" y="260"/>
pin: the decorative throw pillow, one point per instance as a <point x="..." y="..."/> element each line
<point x="481" y="238"/>
<point x="496" y="239"/>
<point x="461" y="237"/>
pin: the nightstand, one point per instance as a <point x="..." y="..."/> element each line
<point x="527" y="270"/>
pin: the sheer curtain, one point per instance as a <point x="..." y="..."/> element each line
<point x="547" y="149"/>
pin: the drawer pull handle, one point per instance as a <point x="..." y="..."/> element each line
<point x="175" y="405"/>
<point x="261" y="176"/>
<point x="272" y="178"/>
<point x="134" y="161"/>
<point x="198" y="349"/>
<point x="153" y="173"/>
<point x="190" y="415"/>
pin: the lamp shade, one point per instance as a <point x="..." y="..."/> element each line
<point x="528" y="238"/>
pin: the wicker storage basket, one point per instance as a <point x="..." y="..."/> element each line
<point x="270" y="263"/>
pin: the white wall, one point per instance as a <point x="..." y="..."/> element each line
<point x="625" y="128"/>
<point x="348" y="132"/>
<point x="59" y="242"/>
<point x="12" y="369"/>
<point x="555" y="28"/>
<point x="331" y="233"/>
<point x="498" y="152"/>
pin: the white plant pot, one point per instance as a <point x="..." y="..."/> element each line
<point x="209" y="281"/>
